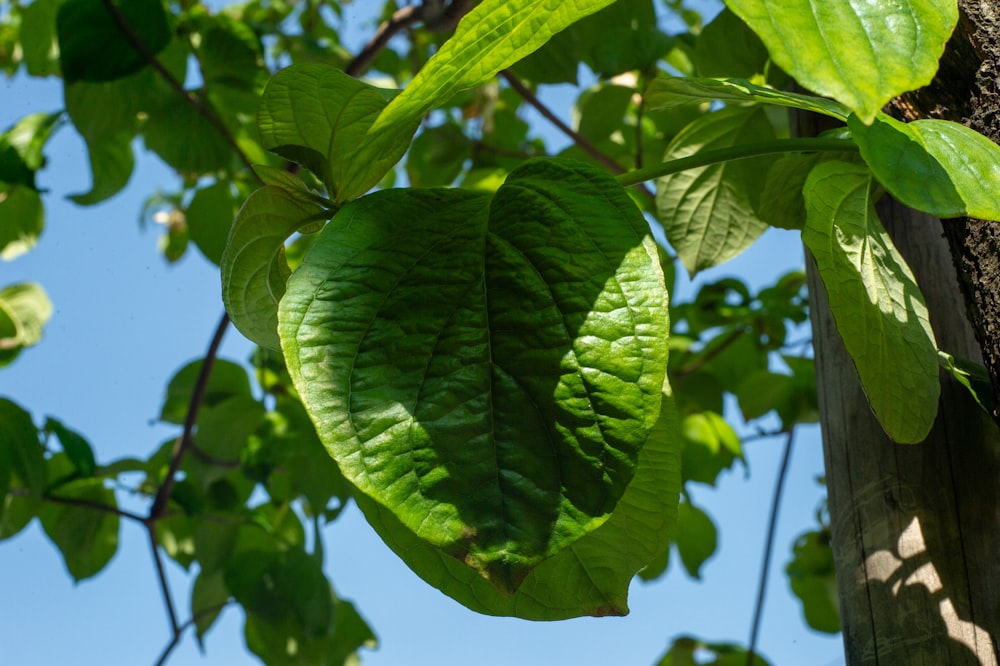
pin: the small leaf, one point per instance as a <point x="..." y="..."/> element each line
<point x="811" y="576"/>
<point x="727" y="47"/>
<point x="254" y="268"/>
<point x="500" y="354"/>
<point x="111" y="165"/>
<point x="973" y="376"/>
<point x="936" y="166"/>
<point x="860" y="52"/>
<point x="76" y="448"/>
<point x="876" y="303"/>
<point x="696" y="538"/>
<point x="209" y="218"/>
<point x="24" y="311"/>
<point x="23" y="220"/>
<point x="87" y="537"/>
<point x="93" y="47"/>
<point x="21" y="148"/>
<point x="708" y="213"/>
<point x="667" y="92"/>
<point x="710" y="446"/>
<point x="208" y="596"/>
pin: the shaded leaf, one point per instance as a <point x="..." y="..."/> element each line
<point x="208" y="596"/>
<point x="38" y="37"/>
<point x="708" y="213"/>
<point x="811" y="575"/>
<point x="209" y="218"/>
<point x="524" y="335"/>
<point x="727" y="47"/>
<point x="876" y="303"/>
<point x="22" y="452"/>
<point x="203" y="150"/>
<point x="76" y="448"/>
<point x="696" y="538"/>
<point x="861" y="53"/>
<point x="93" y="47"/>
<point x="21" y="148"/>
<point x="226" y="380"/>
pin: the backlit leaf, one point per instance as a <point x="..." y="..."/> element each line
<point x="666" y="92"/>
<point x="936" y="166"/>
<point x="254" y="268"/>
<point x="859" y="52"/>
<point x="23" y="220"/>
<point x="876" y="303"/>
<point x="486" y="366"/>
<point x="24" y="311"/>
<point x="696" y="538"/>
<point x="708" y="213"/>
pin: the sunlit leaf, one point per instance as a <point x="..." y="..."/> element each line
<point x="666" y="92"/>
<point x="487" y="367"/>
<point x="24" y="311"/>
<point x="859" y="52"/>
<point x="936" y="166"/>
<point x="876" y="303"/>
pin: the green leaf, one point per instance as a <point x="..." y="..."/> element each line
<point x="254" y="268"/>
<point x="24" y="311"/>
<point x="21" y="148"/>
<point x="437" y="155"/>
<point x="667" y="92"/>
<point x="223" y="431"/>
<point x="710" y="446"/>
<point x="708" y="213"/>
<point x="973" y="376"/>
<point x="350" y="633"/>
<point x="214" y="541"/>
<point x="727" y="47"/>
<point x="486" y="367"/>
<point x="23" y="220"/>
<point x="208" y="596"/>
<point x="226" y="380"/>
<point x="491" y="37"/>
<point x="811" y="574"/>
<point x="876" y="303"/>
<point x="209" y="217"/>
<point x="684" y="648"/>
<point x="38" y="37"/>
<point x="111" y="165"/>
<point x="20" y="452"/>
<point x="203" y="150"/>
<point x="602" y="109"/>
<point x="781" y="202"/>
<point x="696" y="538"/>
<point x="861" y="53"/>
<point x="317" y="116"/>
<point x="591" y="576"/>
<point x="87" y="537"/>
<point x="76" y="448"/>
<point x="936" y="166"/>
<point x="93" y="47"/>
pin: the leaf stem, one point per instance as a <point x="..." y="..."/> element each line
<point x="738" y="152"/>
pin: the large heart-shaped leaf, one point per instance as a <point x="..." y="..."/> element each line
<point x="708" y="213"/>
<point x="860" y="52"/>
<point x="591" y="576"/>
<point x="487" y="367"/>
<point x="936" y="166"/>
<point x="875" y="301"/>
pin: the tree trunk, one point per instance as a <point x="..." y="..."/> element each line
<point x="916" y="529"/>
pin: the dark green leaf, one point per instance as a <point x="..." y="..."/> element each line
<point x="111" y="164"/>
<point x="214" y="541"/>
<point x="708" y="213"/>
<point x="936" y="166"/>
<point x="209" y="217"/>
<point x="21" y="148"/>
<point x="437" y="155"/>
<point x="696" y="538"/>
<point x="94" y="47"/>
<point x="602" y="110"/>
<point x="208" y="595"/>
<point x="684" y="649"/>
<point x="76" y="448"/>
<point x="204" y="149"/>
<point x="86" y="536"/>
<point x="504" y="356"/>
<point x="727" y="47"/>
<point x="350" y="633"/>
<point x="590" y="577"/>
<point x="861" y="54"/>
<point x="38" y="37"/>
<point x="22" y="450"/>
<point x="876" y="303"/>
<point x="175" y="534"/>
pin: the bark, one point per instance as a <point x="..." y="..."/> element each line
<point x="916" y="529"/>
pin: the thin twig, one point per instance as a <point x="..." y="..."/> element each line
<point x="161" y="575"/>
<point x="191" y="98"/>
<point x="186" y="439"/>
<point x="97" y="506"/>
<point x="585" y="145"/>
<point x="184" y="627"/>
<point x="772" y="524"/>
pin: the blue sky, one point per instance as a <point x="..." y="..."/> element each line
<point x="125" y="321"/>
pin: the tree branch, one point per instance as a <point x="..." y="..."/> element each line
<point x="585" y="145"/>
<point x="161" y="575"/>
<point x="779" y="486"/>
<point x="97" y="506"/>
<point x="185" y="441"/>
<point x="189" y="623"/>
<point x="188" y="96"/>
